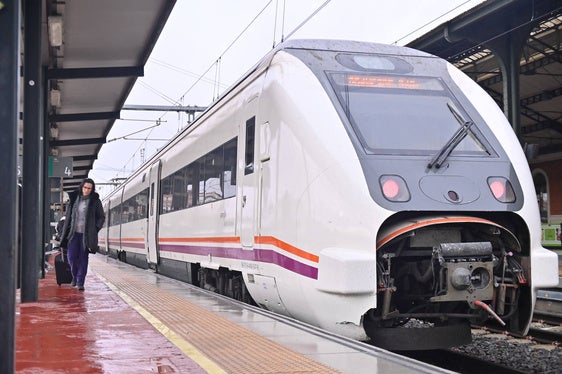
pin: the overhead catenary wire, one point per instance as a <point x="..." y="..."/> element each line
<point x="307" y="19"/>
<point x="181" y="70"/>
<point x="283" y="23"/>
<point x="275" y="23"/>
<point x="430" y="22"/>
<point x="216" y="88"/>
<point x="229" y="46"/>
<point x="158" y="123"/>
<point x="162" y="95"/>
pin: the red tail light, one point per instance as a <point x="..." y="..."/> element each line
<point x="501" y="189"/>
<point x="394" y="188"/>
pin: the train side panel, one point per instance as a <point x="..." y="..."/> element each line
<point x="205" y="233"/>
<point x="306" y="182"/>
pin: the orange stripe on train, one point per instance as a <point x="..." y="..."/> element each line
<point x="437" y="221"/>
<point x="258" y="239"/>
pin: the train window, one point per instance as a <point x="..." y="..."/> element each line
<point x="191" y="187"/>
<point x="179" y="191"/>
<point x="142" y="205"/>
<point x="151" y="208"/>
<point x="229" y="169"/>
<point x="201" y="182"/>
<point x="210" y="178"/>
<point x="115" y="215"/>
<point x="173" y="192"/>
<point x="135" y="208"/>
<point x="165" y="195"/>
<point x="403" y="114"/>
<point x="250" y="136"/>
<point x="212" y="175"/>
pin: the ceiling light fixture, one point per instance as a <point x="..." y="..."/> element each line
<point x="55" y="31"/>
<point x="54" y="98"/>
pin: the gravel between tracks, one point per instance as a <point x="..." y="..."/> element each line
<point x="519" y="354"/>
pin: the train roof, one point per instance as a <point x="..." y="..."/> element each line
<point x="350" y="46"/>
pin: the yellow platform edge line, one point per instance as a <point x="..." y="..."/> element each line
<point x="203" y="361"/>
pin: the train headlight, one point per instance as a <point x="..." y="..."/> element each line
<point x="394" y="188"/>
<point x="501" y="189"/>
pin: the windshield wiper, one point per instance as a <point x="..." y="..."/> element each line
<point x="457" y="137"/>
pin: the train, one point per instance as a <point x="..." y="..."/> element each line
<point x="374" y="191"/>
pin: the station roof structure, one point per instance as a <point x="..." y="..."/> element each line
<point x="481" y="43"/>
<point x="94" y="52"/>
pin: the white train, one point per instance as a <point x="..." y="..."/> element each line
<point x="350" y="185"/>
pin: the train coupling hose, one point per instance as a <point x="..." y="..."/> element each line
<point x="489" y="310"/>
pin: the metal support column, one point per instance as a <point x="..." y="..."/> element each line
<point x="45" y="173"/>
<point x="32" y="215"/>
<point x="509" y="49"/>
<point x="9" y="53"/>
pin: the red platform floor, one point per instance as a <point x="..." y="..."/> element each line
<point x="95" y="331"/>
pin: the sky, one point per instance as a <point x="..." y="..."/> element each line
<point x="183" y="70"/>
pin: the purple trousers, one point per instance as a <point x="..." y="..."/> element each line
<point x="78" y="258"/>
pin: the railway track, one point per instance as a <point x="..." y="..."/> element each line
<point x="461" y="362"/>
<point x="495" y="351"/>
<point x="548" y="307"/>
<point x="547" y="318"/>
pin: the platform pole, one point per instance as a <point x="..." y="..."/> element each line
<point x="9" y="53"/>
<point x="32" y="215"/>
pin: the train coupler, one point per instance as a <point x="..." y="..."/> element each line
<point x="465" y="271"/>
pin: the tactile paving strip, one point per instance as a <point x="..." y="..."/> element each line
<point x="232" y="347"/>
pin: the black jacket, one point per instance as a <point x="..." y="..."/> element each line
<point x="95" y="218"/>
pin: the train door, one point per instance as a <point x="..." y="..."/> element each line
<point x="151" y="240"/>
<point x="249" y="193"/>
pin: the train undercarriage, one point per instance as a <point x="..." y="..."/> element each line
<point x="225" y="282"/>
<point x="435" y="280"/>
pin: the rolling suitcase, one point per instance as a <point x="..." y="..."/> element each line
<point x="62" y="269"/>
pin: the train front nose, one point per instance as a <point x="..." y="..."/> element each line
<point x="447" y="272"/>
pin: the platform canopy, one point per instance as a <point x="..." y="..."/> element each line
<point x="94" y="51"/>
<point x="513" y="49"/>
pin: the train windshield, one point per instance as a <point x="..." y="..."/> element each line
<point x="393" y="114"/>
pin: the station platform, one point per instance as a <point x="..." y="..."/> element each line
<point x="131" y="320"/>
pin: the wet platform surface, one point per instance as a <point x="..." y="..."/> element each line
<point x="95" y="331"/>
<point x="130" y="320"/>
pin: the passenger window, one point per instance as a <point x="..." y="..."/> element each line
<point x="191" y="187"/>
<point x="250" y="136"/>
<point x="212" y="177"/>
<point x="151" y="199"/>
<point x="229" y="169"/>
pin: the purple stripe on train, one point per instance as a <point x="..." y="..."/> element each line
<point x="259" y="255"/>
